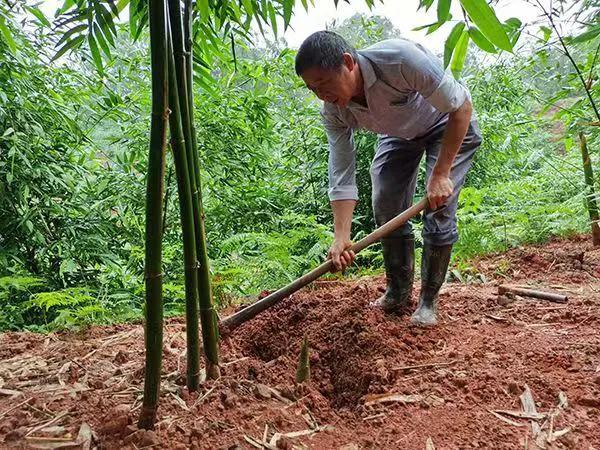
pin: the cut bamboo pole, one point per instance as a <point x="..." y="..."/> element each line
<point x="154" y="223"/>
<point x="590" y="190"/>
<point x="232" y="322"/>
<point x="550" y="296"/>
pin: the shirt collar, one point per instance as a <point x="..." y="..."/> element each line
<point x="366" y="69"/>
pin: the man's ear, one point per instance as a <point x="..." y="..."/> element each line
<point x="349" y="61"/>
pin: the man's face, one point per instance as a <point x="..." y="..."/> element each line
<point x="333" y="86"/>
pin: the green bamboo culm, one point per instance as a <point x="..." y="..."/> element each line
<point x="182" y="46"/>
<point x="154" y="223"/>
<point x="184" y="189"/>
<point x="303" y="370"/>
<point x="208" y="315"/>
<point x="590" y="191"/>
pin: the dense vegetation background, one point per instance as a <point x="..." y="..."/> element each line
<point x="73" y="155"/>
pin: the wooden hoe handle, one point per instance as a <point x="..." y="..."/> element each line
<point x="230" y="323"/>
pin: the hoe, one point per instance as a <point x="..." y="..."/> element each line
<point x="230" y="323"/>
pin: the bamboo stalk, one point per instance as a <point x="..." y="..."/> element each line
<point x="235" y="320"/>
<point x="154" y="223"/>
<point x="185" y="87"/>
<point x="184" y="189"/>
<point x="590" y="191"/>
<point x="208" y="315"/>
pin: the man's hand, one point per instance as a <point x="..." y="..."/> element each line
<point x="440" y="186"/>
<point x="439" y="189"/>
<point x="340" y="255"/>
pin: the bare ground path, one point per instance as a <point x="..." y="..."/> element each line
<point x="377" y="383"/>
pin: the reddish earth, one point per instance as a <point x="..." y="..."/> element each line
<point x="480" y="359"/>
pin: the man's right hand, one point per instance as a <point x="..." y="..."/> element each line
<point x="340" y="254"/>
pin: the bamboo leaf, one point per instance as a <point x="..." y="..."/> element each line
<point x="587" y="36"/>
<point x="102" y="41"/>
<point x="443" y="10"/>
<point x="236" y="11"/>
<point x="137" y="17"/>
<point x="422" y="27"/>
<point x="546" y="32"/>
<point x="113" y="7"/>
<point x="425" y="4"/>
<point x="204" y="9"/>
<point x="259" y="23"/>
<point x="73" y="43"/>
<point x="68" y="34"/>
<point x="481" y="41"/>
<point x="273" y="18"/>
<point x="95" y="53"/>
<point x="65" y="7"/>
<point x="105" y="20"/>
<point x="485" y="18"/>
<point x="451" y="42"/>
<point x="513" y="29"/>
<point x="6" y="33"/>
<point x="287" y="12"/>
<point x="435" y="26"/>
<point x="248" y="6"/>
<point x="460" y="54"/>
<point x="39" y="15"/>
<point x="133" y="22"/>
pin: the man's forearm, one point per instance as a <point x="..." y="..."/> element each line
<point x="456" y="130"/>
<point x="342" y="218"/>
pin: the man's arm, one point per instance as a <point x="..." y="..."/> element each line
<point x="343" y="192"/>
<point x="424" y="73"/>
<point x="342" y="228"/>
<point x="440" y="186"/>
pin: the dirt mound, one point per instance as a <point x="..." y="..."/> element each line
<point x="376" y="382"/>
<point x="343" y="335"/>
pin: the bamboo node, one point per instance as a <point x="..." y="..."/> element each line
<point x="152" y="276"/>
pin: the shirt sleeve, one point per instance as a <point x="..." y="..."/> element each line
<point x="342" y="159"/>
<point x="423" y="71"/>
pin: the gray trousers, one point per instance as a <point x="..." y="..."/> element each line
<point x="394" y="176"/>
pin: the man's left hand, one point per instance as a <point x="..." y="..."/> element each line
<point x="439" y="189"/>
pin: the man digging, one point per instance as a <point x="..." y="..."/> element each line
<point x="399" y="90"/>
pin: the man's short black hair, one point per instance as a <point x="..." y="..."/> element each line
<point x="323" y="49"/>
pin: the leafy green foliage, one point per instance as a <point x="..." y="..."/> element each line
<point x="14" y="293"/>
<point x="450" y="44"/>
<point x="73" y="159"/>
<point x="67" y="308"/>
<point x="484" y="17"/>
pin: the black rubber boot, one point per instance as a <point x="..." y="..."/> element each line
<point x="399" y="259"/>
<point x="434" y="265"/>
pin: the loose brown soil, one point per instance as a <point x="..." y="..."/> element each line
<point x="480" y="358"/>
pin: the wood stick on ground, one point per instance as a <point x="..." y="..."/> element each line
<point x="507" y="420"/>
<point x="429" y="365"/>
<point x="56" y="419"/>
<point x="550" y="296"/>
<point x="15" y="407"/>
<point x="230" y="323"/>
